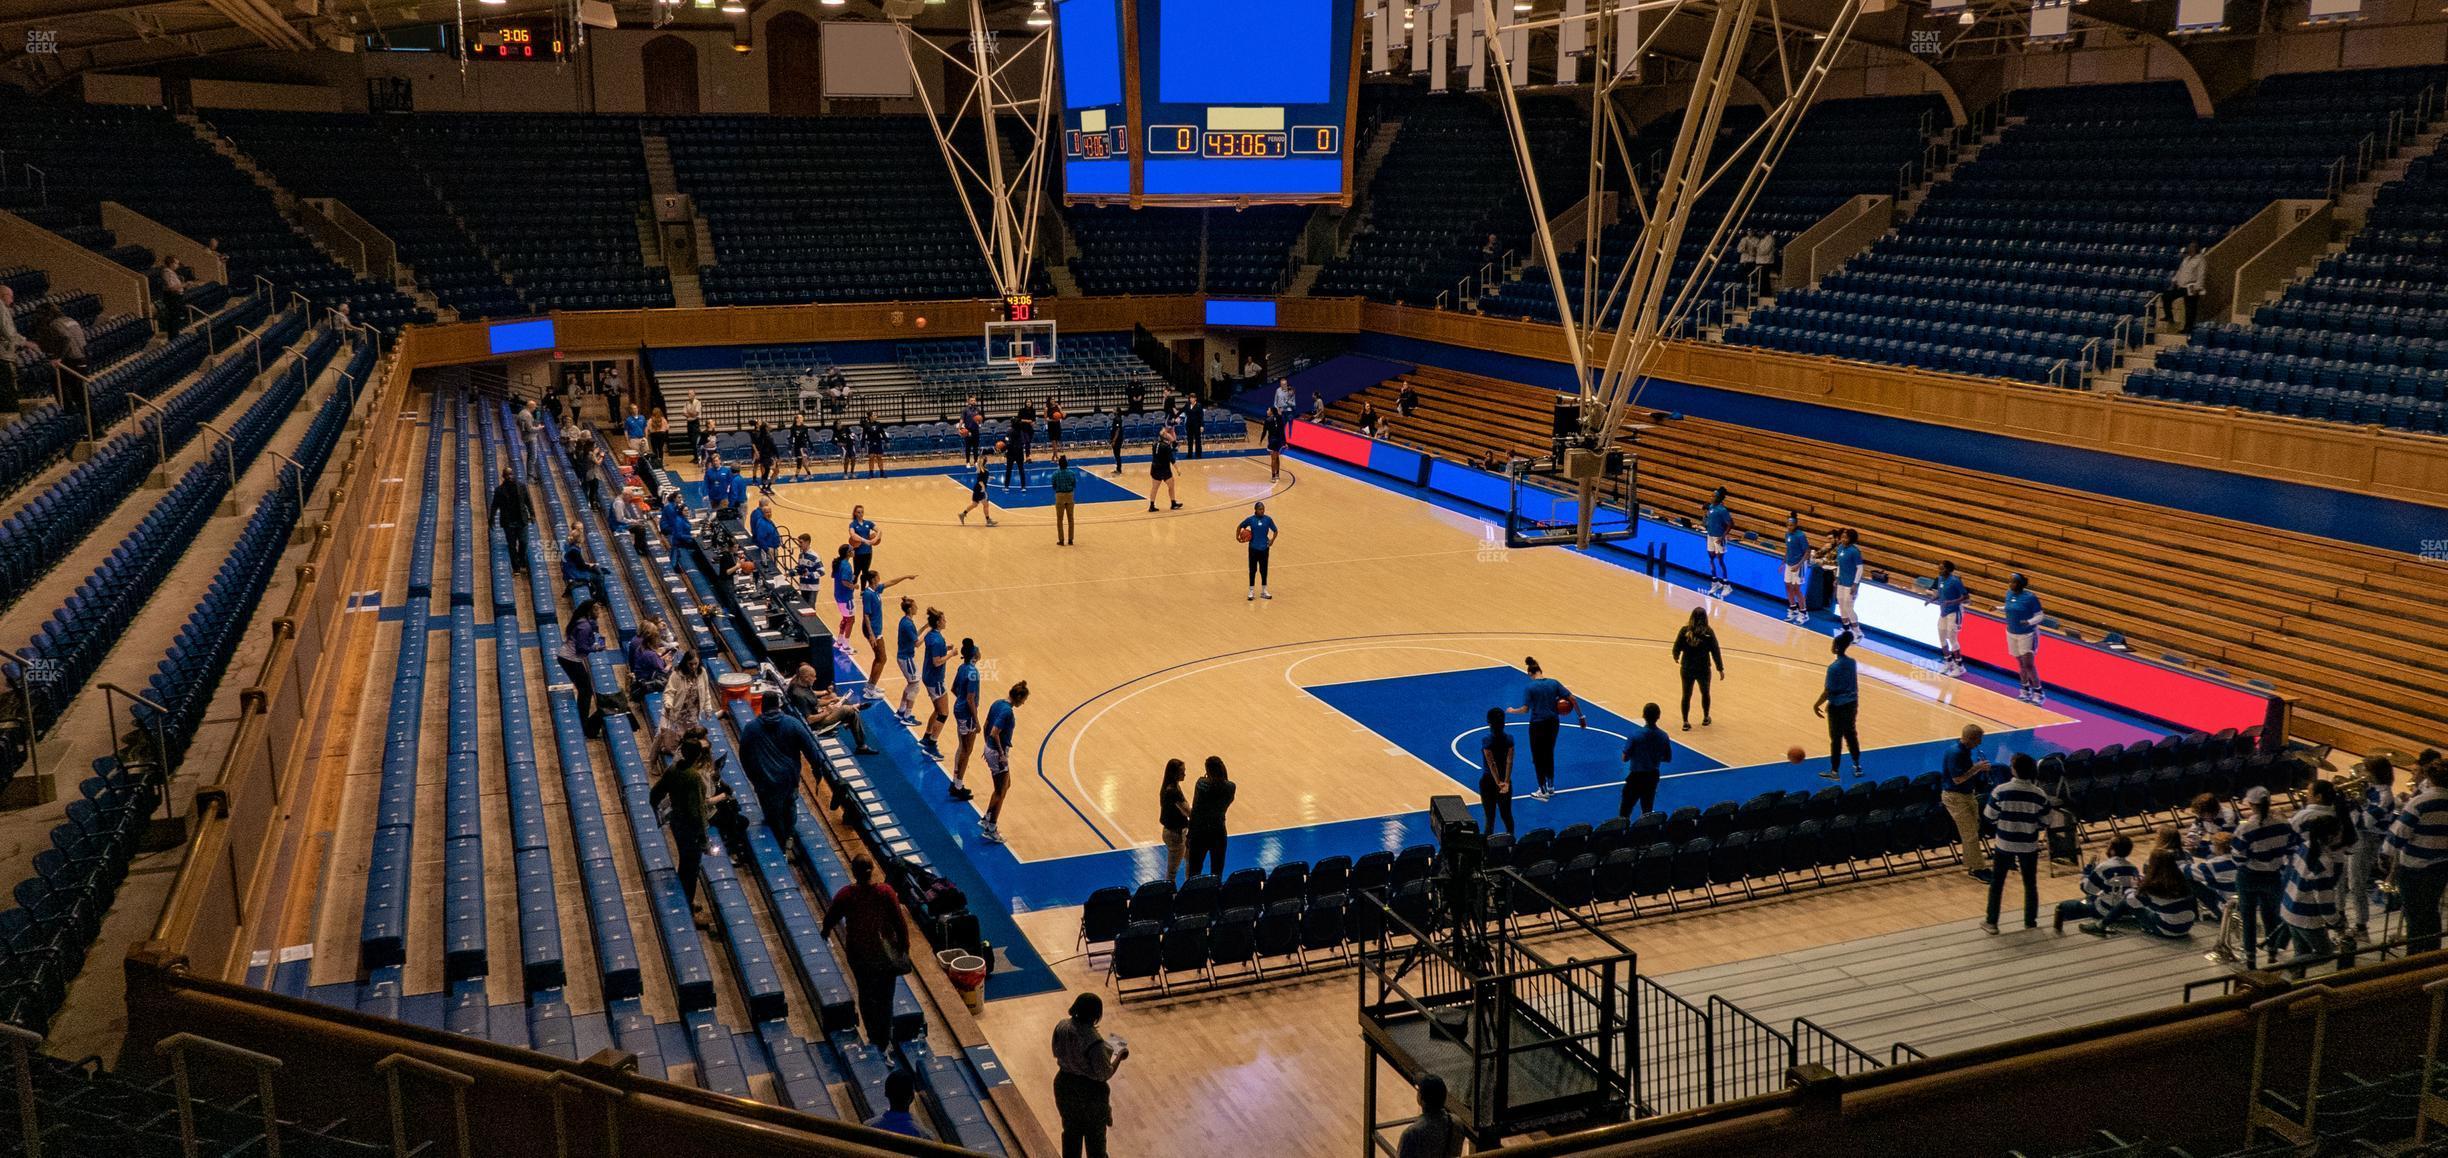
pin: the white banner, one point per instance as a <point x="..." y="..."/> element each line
<point x="1572" y="39"/>
<point x="2048" y="20"/>
<point x="1438" y="19"/>
<point x="1419" y="41"/>
<point x="2335" y="9"/>
<point x="2200" y="15"/>
<point x="1381" y="37"/>
<point x="1516" y="43"/>
<point x="1471" y="48"/>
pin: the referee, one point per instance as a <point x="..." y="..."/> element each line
<point x="1260" y="532"/>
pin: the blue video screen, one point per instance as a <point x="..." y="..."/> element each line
<point x="1241" y="313"/>
<point x="1090" y="35"/>
<point x="1247" y="52"/>
<point x="524" y="337"/>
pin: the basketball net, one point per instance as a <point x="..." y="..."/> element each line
<point x="1027" y="364"/>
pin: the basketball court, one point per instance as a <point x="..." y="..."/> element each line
<point x="1358" y="692"/>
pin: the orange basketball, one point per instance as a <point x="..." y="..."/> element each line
<point x="920" y="322"/>
<point x="1565" y="705"/>
<point x="1242" y="534"/>
<point x="1794" y="754"/>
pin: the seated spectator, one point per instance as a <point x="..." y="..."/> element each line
<point x="900" y="1089"/>
<point x="2213" y="878"/>
<point x="61" y="338"/>
<point x="649" y="668"/>
<point x="2107" y="885"/>
<point x="823" y="709"/>
<point x="576" y="571"/>
<point x="2209" y="816"/>
<point x="2164" y="899"/>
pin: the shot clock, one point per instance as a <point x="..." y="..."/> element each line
<point x="1193" y="102"/>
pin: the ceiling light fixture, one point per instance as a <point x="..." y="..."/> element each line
<point x="1037" y="17"/>
<point x="1966" y="18"/>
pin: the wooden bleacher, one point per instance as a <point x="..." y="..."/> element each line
<point x="2355" y="633"/>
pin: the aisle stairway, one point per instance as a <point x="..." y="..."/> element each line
<point x="2355" y="633"/>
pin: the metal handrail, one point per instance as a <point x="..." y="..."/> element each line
<point x="25" y="695"/>
<point x="42" y="185"/>
<point x="21" y="1046"/>
<point x="394" y="1067"/>
<point x="176" y="1046"/>
<point x="1820" y="1033"/>
<point x="161" y="739"/>
<point x="84" y="393"/>
<point x="161" y="438"/>
<point x="1902" y="1052"/>
<point x="563" y="1085"/>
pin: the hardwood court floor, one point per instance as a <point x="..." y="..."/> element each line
<point x="1139" y="645"/>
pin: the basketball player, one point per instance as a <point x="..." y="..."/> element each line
<point x="800" y="443"/>
<point x="845" y="437"/>
<point x="1117" y="444"/>
<point x="1839" y="703"/>
<point x="863" y="538"/>
<point x="1260" y="533"/>
<point x="977" y="492"/>
<point x="845" y="589"/>
<point x="1848" y="577"/>
<point x="965" y="688"/>
<point x="871" y="624"/>
<point x="1951" y="601"/>
<point x="1797" y="568"/>
<point x="1718" y="521"/>
<point x="905" y="649"/>
<point x="972" y="420"/>
<point x="931" y="672"/>
<point x="871" y="431"/>
<point x="1273" y="428"/>
<point x="1544" y="701"/>
<point x="2022" y="613"/>
<point x="1160" y="470"/>
<point x="1000" y="721"/>
<point x="1015" y="455"/>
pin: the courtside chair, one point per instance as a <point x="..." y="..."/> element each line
<point x="1523" y="904"/>
<point x="1415" y="904"/>
<point x="1233" y="940"/>
<point x="1768" y="856"/>
<point x="1373" y="872"/>
<point x="1153" y="902"/>
<point x="1570" y="843"/>
<point x="1185" y="949"/>
<point x="1137" y="956"/>
<point x="1611" y="834"/>
<point x="1103" y="916"/>
<point x="1536" y="845"/>
<point x="1322" y="929"/>
<point x="1691" y="869"/>
<point x="1874" y="838"/>
<point x="1615" y="878"/>
<point x="1653" y="876"/>
<point x="1330" y="877"/>
<point x="1840" y="845"/>
<point x="1244" y="889"/>
<point x="1289" y="882"/>
<point x="1364" y="922"/>
<point x="1718" y="820"/>
<point x="1647" y="829"/>
<point x="1730" y="864"/>
<point x="1499" y="851"/>
<point x="1418" y="862"/>
<point x="1683" y="825"/>
<point x="1279" y="934"/>
<point x="1197" y="896"/>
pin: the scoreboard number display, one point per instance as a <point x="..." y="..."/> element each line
<point x="1231" y="104"/>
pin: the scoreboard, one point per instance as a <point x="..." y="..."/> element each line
<point x="1196" y="102"/>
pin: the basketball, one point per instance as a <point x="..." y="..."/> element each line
<point x="1565" y="704"/>
<point x="1794" y="754"/>
<point x="999" y="444"/>
<point x="1242" y="534"/>
<point x="919" y="322"/>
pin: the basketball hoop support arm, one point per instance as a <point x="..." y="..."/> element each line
<point x="1015" y="195"/>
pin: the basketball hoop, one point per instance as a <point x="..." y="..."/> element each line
<point x="1026" y="364"/>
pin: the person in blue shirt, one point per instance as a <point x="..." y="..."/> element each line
<point x="676" y="523"/>
<point x="771" y="748"/>
<point x="1951" y="598"/>
<point x="1496" y="775"/>
<point x="932" y="673"/>
<point x="635" y="427"/>
<point x="1543" y="701"/>
<point x="977" y="493"/>
<point x="871" y="625"/>
<point x="965" y="688"/>
<point x="763" y="535"/>
<point x="1000" y="720"/>
<point x="1797" y="568"/>
<point x="900" y="1090"/>
<point x="1962" y="772"/>
<point x="905" y="651"/>
<point x="845" y="589"/>
<point x="1260" y="532"/>
<point x="864" y="535"/>
<point x="1645" y="751"/>
<point x="1718" y="522"/>
<point x="1840" y="703"/>
<point x="737" y="483"/>
<point x="2022" y="613"/>
<point x="1848" y="577"/>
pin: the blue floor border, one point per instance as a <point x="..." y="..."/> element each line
<point x="2388" y="524"/>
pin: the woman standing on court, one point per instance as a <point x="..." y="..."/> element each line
<point x="1695" y="648"/>
<point x="977" y="493"/>
<point x="871" y="625"/>
<point x="864" y="536"/>
<point x="1272" y="427"/>
<point x="1084" y="1066"/>
<point x="1173" y="815"/>
<point x="1208" y="805"/>
<point x="1117" y="443"/>
<point x="931" y="672"/>
<point x="1160" y="470"/>
<point x="1545" y="701"/>
<point x="845" y="588"/>
<point x="1496" y="774"/>
<point x="1054" y="416"/>
<point x="965" y="691"/>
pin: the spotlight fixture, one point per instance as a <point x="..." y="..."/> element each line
<point x="1037" y="17"/>
<point x="734" y="8"/>
<point x="1966" y="18"/>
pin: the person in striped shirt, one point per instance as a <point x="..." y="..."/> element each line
<point x="2213" y="878"/>
<point x="2417" y="858"/>
<point x="2209" y="817"/>
<point x="2107" y="886"/>
<point x="2261" y="844"/>
<point x="2372" y="817"/>
<point x="2018" y="810"/>
<point x="2164" y="898"/>
<point x="2311" y="908"/>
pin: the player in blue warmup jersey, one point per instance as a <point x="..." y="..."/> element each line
<point x="977" y="492"/>
<point x="845" y="590"/>
<point x="1848" y="576"/>
<point x="871" y="625"/>
<point x="1000" y="722"/>
<point x="936" y="654"/>
<point x="1260" y="532"/>
<point x="1718" y="522"/>
<point x="864" y="535"/>
<point x="905" y="651"/>
<point x="1839" y="703"/>
<point x="1951" y="600"/>
<point x="966" y="686"/>
<point x="1797" y="568"/>
<point x="2022" y="613"/>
